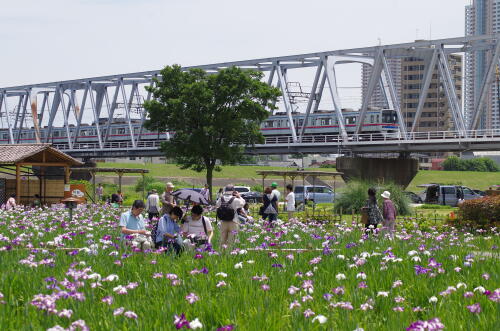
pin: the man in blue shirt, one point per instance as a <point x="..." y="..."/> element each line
<point x="132" y="224"/>
<point x="168" y="233"/>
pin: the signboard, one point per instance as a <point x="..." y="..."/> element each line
<point x="76" y="191"/>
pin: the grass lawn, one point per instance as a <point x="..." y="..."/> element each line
<point x="171" y="170"/>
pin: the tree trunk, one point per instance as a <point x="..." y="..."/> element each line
<point x="209" y="177"/>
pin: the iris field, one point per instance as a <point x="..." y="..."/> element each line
<point x="56" y="274"/>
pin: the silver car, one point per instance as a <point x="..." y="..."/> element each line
<point x="318" y="194"/>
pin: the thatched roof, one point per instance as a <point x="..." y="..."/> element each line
<point x="12" y="154"/>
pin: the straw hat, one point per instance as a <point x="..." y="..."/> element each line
<point x="386" y="195"/>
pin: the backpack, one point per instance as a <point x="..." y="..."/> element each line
<point x="225" y="212"/>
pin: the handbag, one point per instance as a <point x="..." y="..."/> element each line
<point x="364" y="216"/>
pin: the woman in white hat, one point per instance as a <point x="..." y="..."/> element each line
<point x="389" y="214"/>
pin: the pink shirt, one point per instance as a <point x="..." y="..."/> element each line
<point x="389" y="210"/>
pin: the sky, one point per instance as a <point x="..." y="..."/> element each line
<point x="52" y="40"/>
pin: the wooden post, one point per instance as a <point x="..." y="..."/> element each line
<point x="18" y="184"/>
<point x="143" y="187"/>
<point x="66" y="175"/>
<point x="120" y="174"/>
<point x="284" y="192"/>
<point x="93" y="185"/>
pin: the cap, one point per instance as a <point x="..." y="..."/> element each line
<point x="274" y="184"/>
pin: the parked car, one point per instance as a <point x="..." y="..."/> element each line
<point x="414" y="198"/>
<point x="242" y="189"/>
<point x="252" y="197"/>
<point x="318" y="194"/>
<point x="479" y="192"/>
<point x="448" y="195"/>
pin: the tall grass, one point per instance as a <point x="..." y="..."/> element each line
<point x="355" y="194"/>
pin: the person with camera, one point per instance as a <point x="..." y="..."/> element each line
<point x="197" y="227"/>
<point x="133" y="230"/>
<point x="168" y="233"/>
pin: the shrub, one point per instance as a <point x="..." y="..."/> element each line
<point x="482" y="164"/>
<point x="144" y="181"/>
<point x="355" y="194"/>
<point x="482" y="213"/>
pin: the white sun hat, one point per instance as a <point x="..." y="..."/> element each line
<point x="386" y="195"/>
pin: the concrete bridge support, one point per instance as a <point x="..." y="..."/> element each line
<point x="399" y="171"/>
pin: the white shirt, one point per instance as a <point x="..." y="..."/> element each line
<point x="237" y="203"/>
<point x="290" y="201"/>
<point x="196" y="227"/>
<point x="276" y="193"/>
<point x="153" y="200"/>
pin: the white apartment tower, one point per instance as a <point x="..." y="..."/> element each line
<point x="481" y="17"/>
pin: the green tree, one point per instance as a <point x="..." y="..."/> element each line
<point x="213" y="116"/>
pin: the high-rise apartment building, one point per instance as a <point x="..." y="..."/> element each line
<point x="481" y="17"/>
<point x="436" y="113"/>
<point x="407" y="75"/>
<point x="378" y="99"/>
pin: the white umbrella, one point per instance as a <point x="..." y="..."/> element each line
<point x="191" y="195"/>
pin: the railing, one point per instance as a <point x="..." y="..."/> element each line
<point x="362" y="138"/>
<point x="112" y="145"/>
<point x="354" y="139"/>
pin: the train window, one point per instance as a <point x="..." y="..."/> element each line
<point x="378" y="118"/>
<point x="121" y="130"/>
<point x="372" y="118"/>
<point x="55" y="134"/>
<point x="301" y="122"/>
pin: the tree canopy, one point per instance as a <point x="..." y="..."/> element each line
<point x="211" y="117"/>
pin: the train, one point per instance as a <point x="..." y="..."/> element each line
<point x="383" y="121"/>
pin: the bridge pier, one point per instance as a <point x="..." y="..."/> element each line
<point x="400" y="171"/>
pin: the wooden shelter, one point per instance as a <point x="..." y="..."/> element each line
<point x="23" y="161"/>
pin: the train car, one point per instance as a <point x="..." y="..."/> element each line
<point x="325" y="122"/>
<point x="320" y="122"/>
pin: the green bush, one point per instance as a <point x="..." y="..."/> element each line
<point x="355" y="194"/>
<point x="481" y="164"/>
<point x="482" y="213"/>
<point x="257" y="188"/>
<point x="144" y="181"/>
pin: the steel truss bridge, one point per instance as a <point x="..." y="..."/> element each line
<point x="66" y="103"/>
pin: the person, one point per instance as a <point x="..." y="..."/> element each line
<point x="372" y="210"/>
<point x="389" y="213"/>
<point x="37" y="202"/>
<point x="198" y="227"/>
<point x="219" y="194"/>
<point x="168" y="233"/>
<point x="275" y="191"/>
<point x="205" y="192"/>
<point x="117" y="198"/>
<point x="153" y="205"/>
<point x="167" y="199"/>
<point x="11" y="202"/>
<point x="270" y="207"/>
<point x="290" y="200"/>
<point x="132" y="224"/>
<point x="229" y="228"/>
<point x="99" y="191"/>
